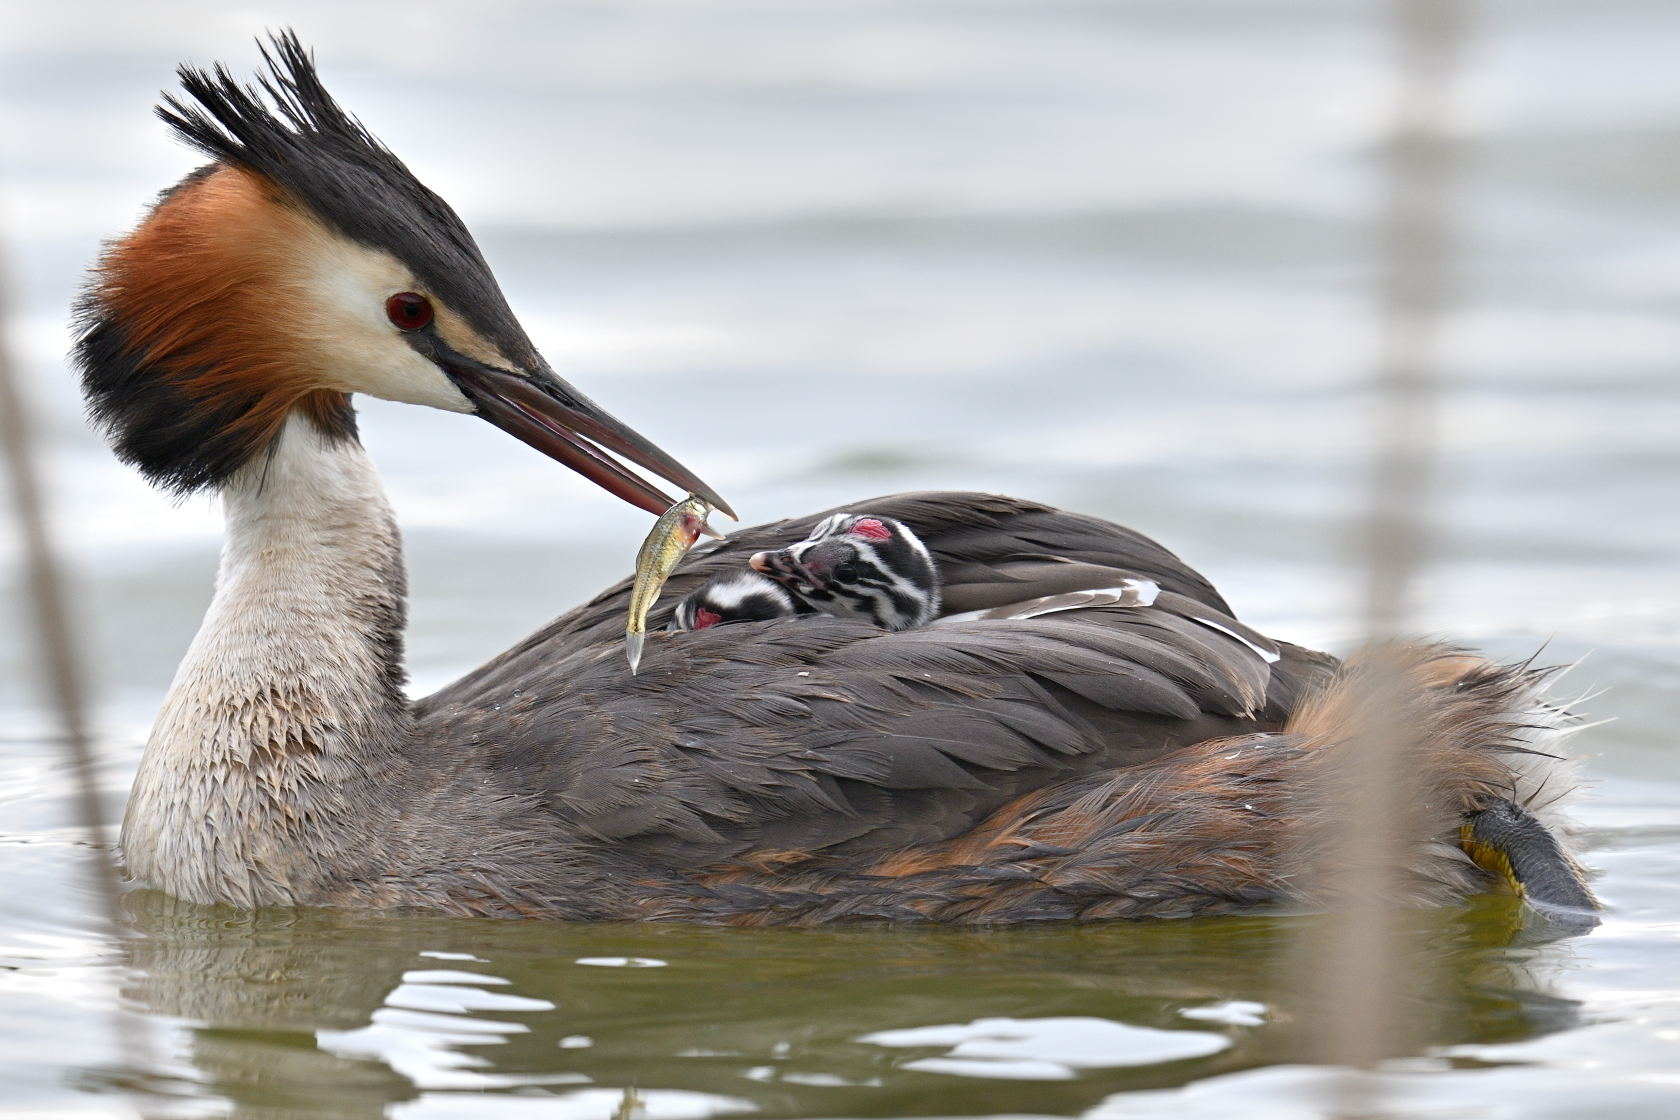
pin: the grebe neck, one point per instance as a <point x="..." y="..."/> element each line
<point x="277" y="749"/>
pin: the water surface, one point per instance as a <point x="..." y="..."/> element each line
<point x="1113" y="256"/>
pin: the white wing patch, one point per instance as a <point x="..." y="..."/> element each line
<point x="1130" y="593"/>
<point x="1266" y="655"/>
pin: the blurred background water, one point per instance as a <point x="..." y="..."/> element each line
<point x="1115" y="256"/>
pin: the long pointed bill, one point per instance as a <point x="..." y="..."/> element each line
<point x="568" y="427"/>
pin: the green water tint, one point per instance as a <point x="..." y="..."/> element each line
<point x="770" y="1018"/>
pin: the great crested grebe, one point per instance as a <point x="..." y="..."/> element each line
<point x="858" y="566"/>
<point x="851" y="566"/>
<point x="1086" y="732"/>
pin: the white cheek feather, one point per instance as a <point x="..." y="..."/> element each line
<point x="344" y="288"/>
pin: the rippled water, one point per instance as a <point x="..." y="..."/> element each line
<point x="1111" y="256"/>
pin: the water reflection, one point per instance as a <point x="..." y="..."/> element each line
<point x="312" y="1013"/>
<point x="425" y="1021"/>
<point x="1053" y="1049"/>
<point x="582" y="1104"/>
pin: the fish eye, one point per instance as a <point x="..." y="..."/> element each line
<point x="409" y="310"/>
<point x="846" y="573"/>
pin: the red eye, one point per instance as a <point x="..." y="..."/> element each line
<point x="409" y="311"/>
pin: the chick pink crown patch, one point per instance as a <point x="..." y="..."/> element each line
<point x="870" y="530"/>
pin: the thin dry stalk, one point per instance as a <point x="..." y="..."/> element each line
<point x="1362" y="971"/>
<point x="58" y="657"/>
<point x="1416" y="289"/>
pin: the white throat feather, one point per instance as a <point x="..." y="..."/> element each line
<point x="291" y="694"/>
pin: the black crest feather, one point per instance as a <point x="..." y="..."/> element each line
<point x="173" y="415"/>
<point x="299" y="138"/>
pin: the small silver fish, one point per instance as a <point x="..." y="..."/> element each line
<point x="673" y="535"/>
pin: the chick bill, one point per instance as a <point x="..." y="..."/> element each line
<point x="673" y="535"/>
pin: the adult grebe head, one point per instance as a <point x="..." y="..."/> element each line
<point x="305" y="264"/>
